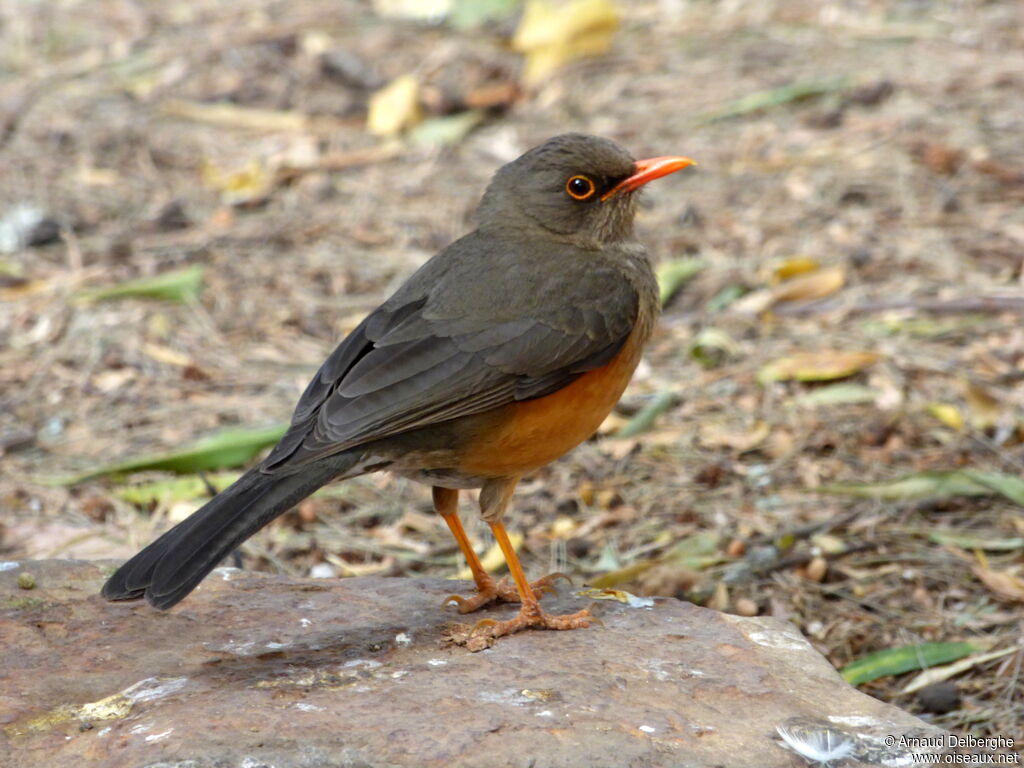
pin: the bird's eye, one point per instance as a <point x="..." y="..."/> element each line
<point x="579" y="187"/>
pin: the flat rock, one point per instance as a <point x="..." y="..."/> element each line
<point x="254" y="671"/>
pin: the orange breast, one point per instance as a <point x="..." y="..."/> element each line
<point x="535" y="432"/>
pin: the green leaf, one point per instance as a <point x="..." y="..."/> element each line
<point x="466" y="14"/>
<point x="726" y="296"/>
<point x="1010" y="486"/>
<point x="713" y="346"/>
<point x="443" y="131"/>
<point x="692" y="553"/>
<point x="644" y="419"/>
<point x="228" y="448"/>
<point x="969" y="541"/>
<point x="673" y="274"/>
<point x="935" y="485"/>
<point x="177" y="285"/>
<point x="843" y="393"/>
<point x="775" y="97"/>
<point x="896" y="661"/>
<point x="697" y="551"/>
<point x="174" y="490"/>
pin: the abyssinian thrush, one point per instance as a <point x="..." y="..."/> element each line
<point x="501" y="353"/>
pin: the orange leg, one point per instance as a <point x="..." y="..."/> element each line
<point x="446" y="502"/>
<point x="530" y="615"/>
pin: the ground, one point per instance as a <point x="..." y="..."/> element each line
<point x="890" y="166"/>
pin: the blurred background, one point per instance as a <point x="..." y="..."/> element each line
<point x="198" y="199"/>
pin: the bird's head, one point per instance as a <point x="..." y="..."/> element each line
<point x="577" y="187"/>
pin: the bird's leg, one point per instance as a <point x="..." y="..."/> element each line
<point x="494" y="499"/>
<point x="531" y="614"/>
<point x="446" y="502"/>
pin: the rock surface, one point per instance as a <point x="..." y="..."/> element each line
<point x="255" y="670"/>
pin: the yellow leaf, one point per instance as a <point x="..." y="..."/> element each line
<point x="790" y="268"/>
<point x="551" y="35"/>
<point x="816" y="285"/>
<point x="394" y="107"/>
<point x="563" y="527"/>
<point x="239" y="187"/>
<point x="825" y="365"/>
<point x="948" y="415"/>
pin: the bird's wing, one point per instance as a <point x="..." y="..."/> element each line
<point x="443" y="348"/>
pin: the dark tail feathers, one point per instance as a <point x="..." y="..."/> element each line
<point x="173" y="565"/>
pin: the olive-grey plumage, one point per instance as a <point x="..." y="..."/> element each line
<point x="516" y="338"/>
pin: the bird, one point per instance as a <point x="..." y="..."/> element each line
<point x="501" y="353"/>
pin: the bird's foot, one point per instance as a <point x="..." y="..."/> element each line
<point x="485" y="632"/>
<point x="491" y="591"/>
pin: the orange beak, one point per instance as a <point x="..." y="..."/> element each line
<point x="648" y="170"/>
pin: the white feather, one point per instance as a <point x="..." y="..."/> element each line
<point x="819" y="745"/>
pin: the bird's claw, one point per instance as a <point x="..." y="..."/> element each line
<point x="458" y="600"/>
<point x="484" y="633"/>
<point x="491" y="591"/>
<point x="547" y="580"/>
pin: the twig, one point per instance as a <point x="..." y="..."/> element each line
<point x="959" y="305"/>
<point x="808" y="530"/>
<point x="797" y="561"/>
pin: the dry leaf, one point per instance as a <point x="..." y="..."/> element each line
<point x="493" y="95"/>
<point x="552" y="35"/>
<point x="938" y="674"/>
<point x="746" y="607"/>
<point x="719" y="600"/>
<point x="780" y="444"/>
<point x="941" y="158"/>
<point x="985" y="409"/>
<point x="394" y="107"/>
<point x="1004" y="584"/>
<point x="816" y="285"/>
<point x="1001" y="173"/>
<point x="166" y="355"/>
<point x="715" y="435"/>
<point x="755" y="302"/>
<point x="807" y="287"/>
<point x="825" y="365"/>
<point x="816" y="569"/>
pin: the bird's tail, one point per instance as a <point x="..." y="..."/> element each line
<point x="173" y="565"/>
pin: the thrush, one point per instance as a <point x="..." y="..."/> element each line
<point x="500" y="354"/>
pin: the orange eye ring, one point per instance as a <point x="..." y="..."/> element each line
<point x="580" y="188"/>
